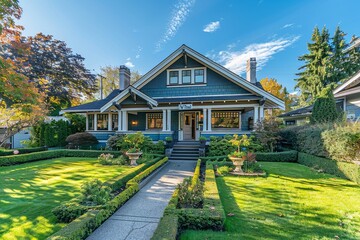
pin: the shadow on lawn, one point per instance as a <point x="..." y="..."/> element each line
<point x="271" y="213"/>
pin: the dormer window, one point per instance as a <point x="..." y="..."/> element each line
<point x="186" y="77"/>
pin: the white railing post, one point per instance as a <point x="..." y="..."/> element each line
<point x="119" y="121"/>
<point x="95" y="121"/>
<point x="110" y="122"/>
<point x="168" y="118"/>
<point x="209" y="119"/>
<point x="204" y="119"/>
<point x="164" y="120"/>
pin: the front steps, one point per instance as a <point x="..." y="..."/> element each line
<point x="188" y="150"/>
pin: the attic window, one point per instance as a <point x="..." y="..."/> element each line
<point x="187" y="76"/>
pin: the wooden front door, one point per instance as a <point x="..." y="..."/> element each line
<point x="188" y="126"/>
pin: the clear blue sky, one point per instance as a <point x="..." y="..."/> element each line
<point x="142" y="33"/>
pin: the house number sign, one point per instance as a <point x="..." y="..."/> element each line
<point x="185" y="106"/>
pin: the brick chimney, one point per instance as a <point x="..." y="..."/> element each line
<point x="251" y="70"/>
<point x="124" y="77"/>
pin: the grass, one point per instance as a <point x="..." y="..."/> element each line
<point x="28" y="193"/>
<point x="293" y="202"/>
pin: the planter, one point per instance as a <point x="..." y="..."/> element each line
<point x="202" y="143"/>
<point x="238" y="162"/>
<point x="169" y="144"/>
<point x="133" y="157"/>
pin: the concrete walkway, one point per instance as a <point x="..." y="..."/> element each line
<point x="139" y="217"/>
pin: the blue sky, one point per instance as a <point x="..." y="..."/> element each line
<point x="142" y="33"/>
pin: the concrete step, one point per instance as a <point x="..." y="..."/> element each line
<point x="181" y="151"/>
<point x="185" y="155"/>
<point x="183" y="158"/>
<point x="186" y="147"/>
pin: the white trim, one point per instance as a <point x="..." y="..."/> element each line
<point x="119" y="121"/>
<point x="261" y="113"/>
<point x="222" y="95"/>
<point x="168" y="120"/>
<point x="95" y="121"/>
<point x="209" y="118"/>
<point x="206" y="61"/>
<point x="205" y="119"/>
<point x="348" y="92"/>
<point x="164" y="120"/>
<point x="187" y="85"/>
<point x="125" y="94"/>
<point x="214" y="107"/>
<point x="110" y="121"/>
<point x="347" y="83"/>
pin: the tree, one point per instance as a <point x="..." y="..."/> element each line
<point x="267" y="132"/>
<point x="21" y="105"/>
<point x="272" y="86"/>
<point x="353" y="58"/>
<point x="110" y="76"/>
<point x="338" y="71"/>
<point x="55" y="70"/>
<point x="314" y="76"/>
<point x="325" y="110"/>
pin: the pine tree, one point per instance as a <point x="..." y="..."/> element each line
<point x="338" y="58"/>
<point x="314" y="76"/>
<point x="353" y="58"/>
<point x="325" y="110"/>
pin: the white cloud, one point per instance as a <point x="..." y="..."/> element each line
<point x="129" y="64"/>
<point x="288" y="25"/>
<point x="178" y="17"/>
<point x="138" y="52"/>
<point x="236" y="60"/>
<point x="212" y="27"/>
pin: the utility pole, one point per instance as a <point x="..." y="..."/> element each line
<point x="101" y="86"/>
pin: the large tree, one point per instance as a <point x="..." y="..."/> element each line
<point x="55" y="70"/>
<point x="21" y="105"/>
<point x="315" y="73"/>
<point x="338" y="68"/>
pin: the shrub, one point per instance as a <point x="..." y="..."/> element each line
<point x="223" y="170"/>
<point x="94" y="193"/>
<point x="324" y="110"/>
<point x="22" y="151"/>
<point x="343" y="142"/>
<point x="108" y="159"/>
<point x="341" y="169"/>
<point x="267" y="131"/>
<point x="190" y="198"/>
<point x="68" y="211"/>
<point x="286" y="156"/>
<point x="145" y="158"/>
<point x="112" y="142"/>
<point x="167" y="229"/>
<point x="83" y="139"/>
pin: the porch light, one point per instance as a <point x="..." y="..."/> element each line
<point x="134" y="122"/>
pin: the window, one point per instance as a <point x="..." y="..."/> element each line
<point x="154" y="120"/>
<point x="186" y="76"/>
<point x="228" y="119"/>
<point x="102" y="122"/>
<point x="91" y="122"/>
<point x="174" y="77"/>
<point x="114" y="122"/>
<point x="199" y="75"/>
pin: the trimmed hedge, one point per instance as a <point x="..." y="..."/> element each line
<point x="8" y="152"/>
<point x="169" y="228"/>
<point x="84" y="225"/>
<point x="30" y="157"/>
<point x="195" y="178"/>
<point x="286" y="156"/>
<point x="341" y="169"/>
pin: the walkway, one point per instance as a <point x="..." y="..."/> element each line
<point x="139" y="217"/>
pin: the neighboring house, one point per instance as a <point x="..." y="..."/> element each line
<point x="15" y="140"/>
<point x="347" y="97"/>
<point x="185" y="96"/>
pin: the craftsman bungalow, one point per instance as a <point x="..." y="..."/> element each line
<point x="185" y="96"/>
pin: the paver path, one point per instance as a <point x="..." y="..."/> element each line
<point x="139" y="217"/>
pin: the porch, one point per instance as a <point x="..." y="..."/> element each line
<point x="183" y="123"/>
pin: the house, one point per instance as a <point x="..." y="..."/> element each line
<point x="347" y="96"/>
<point x="185" y="96"/>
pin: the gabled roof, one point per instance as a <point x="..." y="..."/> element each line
<point x="124" y="94"/>
<point x="183" y="49"/>
<point x="93" y="106"/>
<point x="350" y="83"/>
<point x="304" y="111"/>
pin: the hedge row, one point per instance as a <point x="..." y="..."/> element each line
<point x="341" y="169"/>
<point x="84" y="225"/>
<point x="30" y="157"/>
<point x="22" y="151"/>
<point x="211" y="216"/>
<point x="195" y="178"/>
<point x="286" y="156"/>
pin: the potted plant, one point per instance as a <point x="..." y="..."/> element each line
<point x="202" y="140"/>
<point x="134" y="141"/>
<point x="169" y="142"/>
<point x="238" y="157"/>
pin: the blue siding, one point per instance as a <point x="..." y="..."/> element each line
<point x="141" y="118"/>
<point x="216" y="85"/>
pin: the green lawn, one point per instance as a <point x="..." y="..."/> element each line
<point x="293" y="202"/>
<point x="28" y="193"/>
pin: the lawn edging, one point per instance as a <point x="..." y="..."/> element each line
<point x="345" y="170"/>
<point x="84" y="225"/>
<point x="211" y="216"/>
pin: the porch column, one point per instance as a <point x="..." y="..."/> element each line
<point x="204" y="119"/>
<point x="209" y="119"/>
<point x="95" y="121"/>
<point x="119" y="121"/>
<point x="124" y="120"/>
<point x="109" y="121"/>
<point x="261" y="113"/>
<point x="164" y="120"/>
<point x="168" y="118"/>
<point x="240" y="120"/>
<point x="256" y="114"/>
<point x="87" y="122"/>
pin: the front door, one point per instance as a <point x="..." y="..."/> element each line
<point x="188" y="126"/>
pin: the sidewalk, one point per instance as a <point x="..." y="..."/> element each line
<point x="139" y="217"/>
